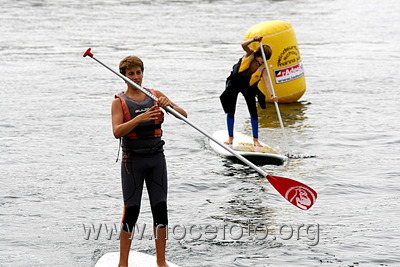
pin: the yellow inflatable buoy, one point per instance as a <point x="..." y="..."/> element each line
<point x="285" y="66"/>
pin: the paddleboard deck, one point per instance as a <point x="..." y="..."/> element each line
<point x="243" y="145"/>
<point x="136" y="259"/>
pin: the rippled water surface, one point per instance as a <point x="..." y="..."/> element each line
<point x="57" y="154"/>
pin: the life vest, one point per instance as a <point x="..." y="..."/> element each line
<point x="132" y="108"/>
<point x="242" y="83"/>
<point x="245" y="64"/>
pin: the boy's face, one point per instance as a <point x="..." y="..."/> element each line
<point x="135" y="74"/>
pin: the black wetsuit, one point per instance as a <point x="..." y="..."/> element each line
<point x="143" y="161"/>
<point x="239" y="82"/>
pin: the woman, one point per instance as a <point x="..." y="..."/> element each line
<point x="244" y="78"/>
<point x="137" y="119"/>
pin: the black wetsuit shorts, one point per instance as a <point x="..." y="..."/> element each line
<point x="139" y="168"/>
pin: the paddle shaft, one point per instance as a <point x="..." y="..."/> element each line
<point x="180" y="116"/>
<point x="273" y="94"/>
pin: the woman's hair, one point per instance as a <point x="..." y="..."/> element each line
<point x="267" y="51"/>
<point x="130" y="62"/>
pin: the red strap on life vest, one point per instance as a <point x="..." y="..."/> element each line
<point x="126" y="115"/>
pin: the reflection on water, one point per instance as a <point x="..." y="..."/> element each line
<point x="293" y="115"/>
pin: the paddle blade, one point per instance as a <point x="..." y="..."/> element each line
<point x="299" y="194"/>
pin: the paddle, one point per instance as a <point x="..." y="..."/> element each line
<point x="295" y="192"/>
<point x="274" y="95"/>
<point x="288" y="154"/>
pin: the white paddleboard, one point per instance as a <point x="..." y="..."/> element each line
<point x="136" y="259"/>
<point x="243" y="145"/>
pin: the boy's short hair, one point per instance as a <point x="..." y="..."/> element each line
<point x="267" y="51"/>
<point x="130" y="62"/>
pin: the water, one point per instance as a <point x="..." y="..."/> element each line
<point x="57" y="154"/>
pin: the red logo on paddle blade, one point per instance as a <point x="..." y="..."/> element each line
<point x="300" y="196"/>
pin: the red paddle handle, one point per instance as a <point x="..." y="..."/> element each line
<point x="88" y="53"/>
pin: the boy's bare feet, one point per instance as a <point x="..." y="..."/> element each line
<point x="257" y="143"/>
<point x="229" y="142"/>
